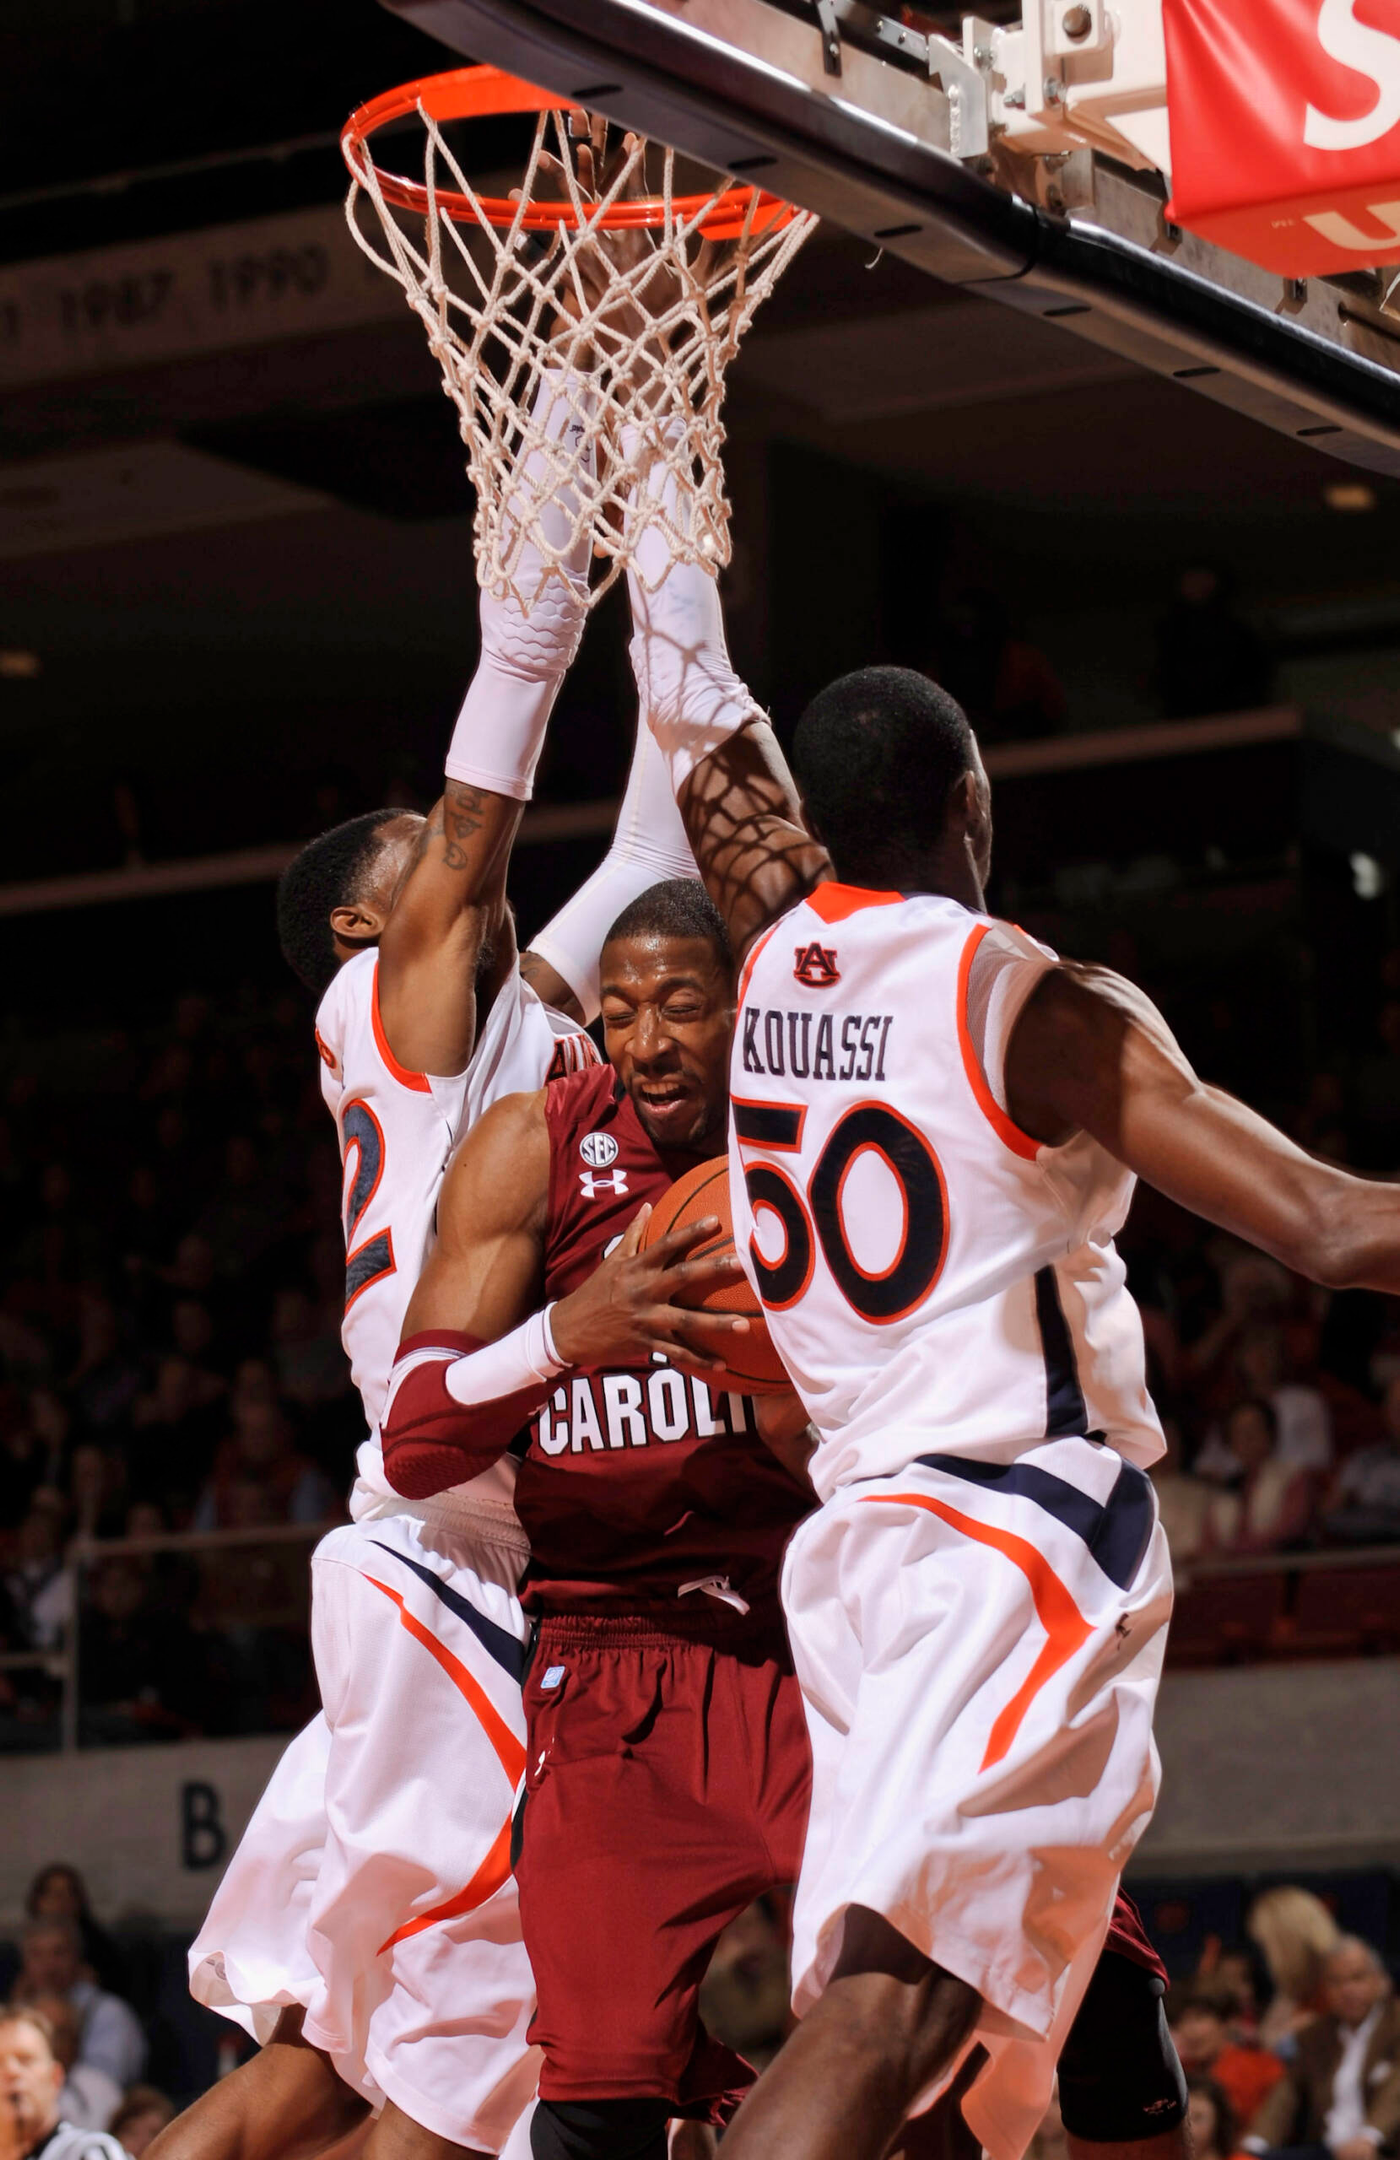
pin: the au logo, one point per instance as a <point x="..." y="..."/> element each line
<point x="598" y="1149"/>
<point x="816" y="966"/>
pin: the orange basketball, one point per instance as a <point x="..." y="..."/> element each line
<point x="751" y="1361"/>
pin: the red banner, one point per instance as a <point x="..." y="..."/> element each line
<point x="1285" y="129"/>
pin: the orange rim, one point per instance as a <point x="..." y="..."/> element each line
<point x="475" y="93"/>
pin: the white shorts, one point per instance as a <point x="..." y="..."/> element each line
<point x="373" y="1884"/>
<point x="979" y="1647"/>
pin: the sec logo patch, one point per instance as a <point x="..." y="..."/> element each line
<point x="598" y="1149"/>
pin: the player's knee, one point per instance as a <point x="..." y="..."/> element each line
<point x="1121" y="2080"/>
<point x="599" y="2130"/>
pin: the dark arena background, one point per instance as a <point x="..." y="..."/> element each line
<point x="238" y="604"/>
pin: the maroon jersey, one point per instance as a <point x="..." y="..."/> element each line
<point x="639" y="1486"/>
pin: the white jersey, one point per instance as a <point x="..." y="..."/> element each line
<point x="397" y="1131"/>
<point x="935" y="1280"/>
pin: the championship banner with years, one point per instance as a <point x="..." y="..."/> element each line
<point x="1285" y="129"/>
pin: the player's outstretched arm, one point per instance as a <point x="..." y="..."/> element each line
<point x="1090" y="1052"/>
<point x="480" y="1352"/>
<point x="736" y="796"/>
<point x="745" y="827"/>
<point x="451" y="915"/>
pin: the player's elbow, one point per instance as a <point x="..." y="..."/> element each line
<point x="416" y="1469"/>
<point x="421" y="1436"/>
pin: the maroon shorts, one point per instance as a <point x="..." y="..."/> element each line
<point x="666" y="1788"/>
<point x="1127" y="1935"/>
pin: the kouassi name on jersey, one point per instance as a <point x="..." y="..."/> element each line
<point x="934" y="1279"/>
<point x="815" y="1046"/>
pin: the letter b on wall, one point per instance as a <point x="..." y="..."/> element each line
<point x="203" y="1838"/>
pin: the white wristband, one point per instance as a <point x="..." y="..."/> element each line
<point x="519" y="1361"/>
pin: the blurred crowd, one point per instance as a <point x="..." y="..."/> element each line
<point x="169" y="1361"/>
<point x="1290" y="2041"/>
<point x="75" y="2052"/>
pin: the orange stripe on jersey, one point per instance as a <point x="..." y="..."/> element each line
<point x="419" y="1082"/>
<point x="1065" y="1627"/>
<point x="509" y="1751"/>
<point x="833" y="902"/>
<point x="484" y="1884"/>
<point x="1019" y="1143"/>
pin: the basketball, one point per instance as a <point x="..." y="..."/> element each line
<point x="753" y="1364"/>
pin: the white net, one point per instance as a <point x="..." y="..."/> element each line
<point x="633" y="327"/>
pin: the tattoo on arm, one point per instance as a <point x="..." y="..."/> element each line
<point x="463" y="813"/>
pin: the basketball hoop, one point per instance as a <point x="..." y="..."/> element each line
<point x="583" y="339"/>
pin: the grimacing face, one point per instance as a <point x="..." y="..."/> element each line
<point x="668" y="1016"/>
<point x="30" y="2080"/>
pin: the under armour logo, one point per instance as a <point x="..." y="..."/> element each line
<point x="596" y="1181"/>
<point x="816" y="966"/>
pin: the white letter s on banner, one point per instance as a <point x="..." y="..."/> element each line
<point x="1373" y="53"/>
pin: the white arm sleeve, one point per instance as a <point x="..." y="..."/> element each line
<point x="690" y="695"/>
<point x="499" y="734"/>
<point x="649" y="845"/>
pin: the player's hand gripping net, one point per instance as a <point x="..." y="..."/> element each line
<point x="583" y="288"/>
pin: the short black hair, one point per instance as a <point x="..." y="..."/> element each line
<point x="678" y="907"/>
<point x="329" y="872"/>
<point x="877" y="755"/>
